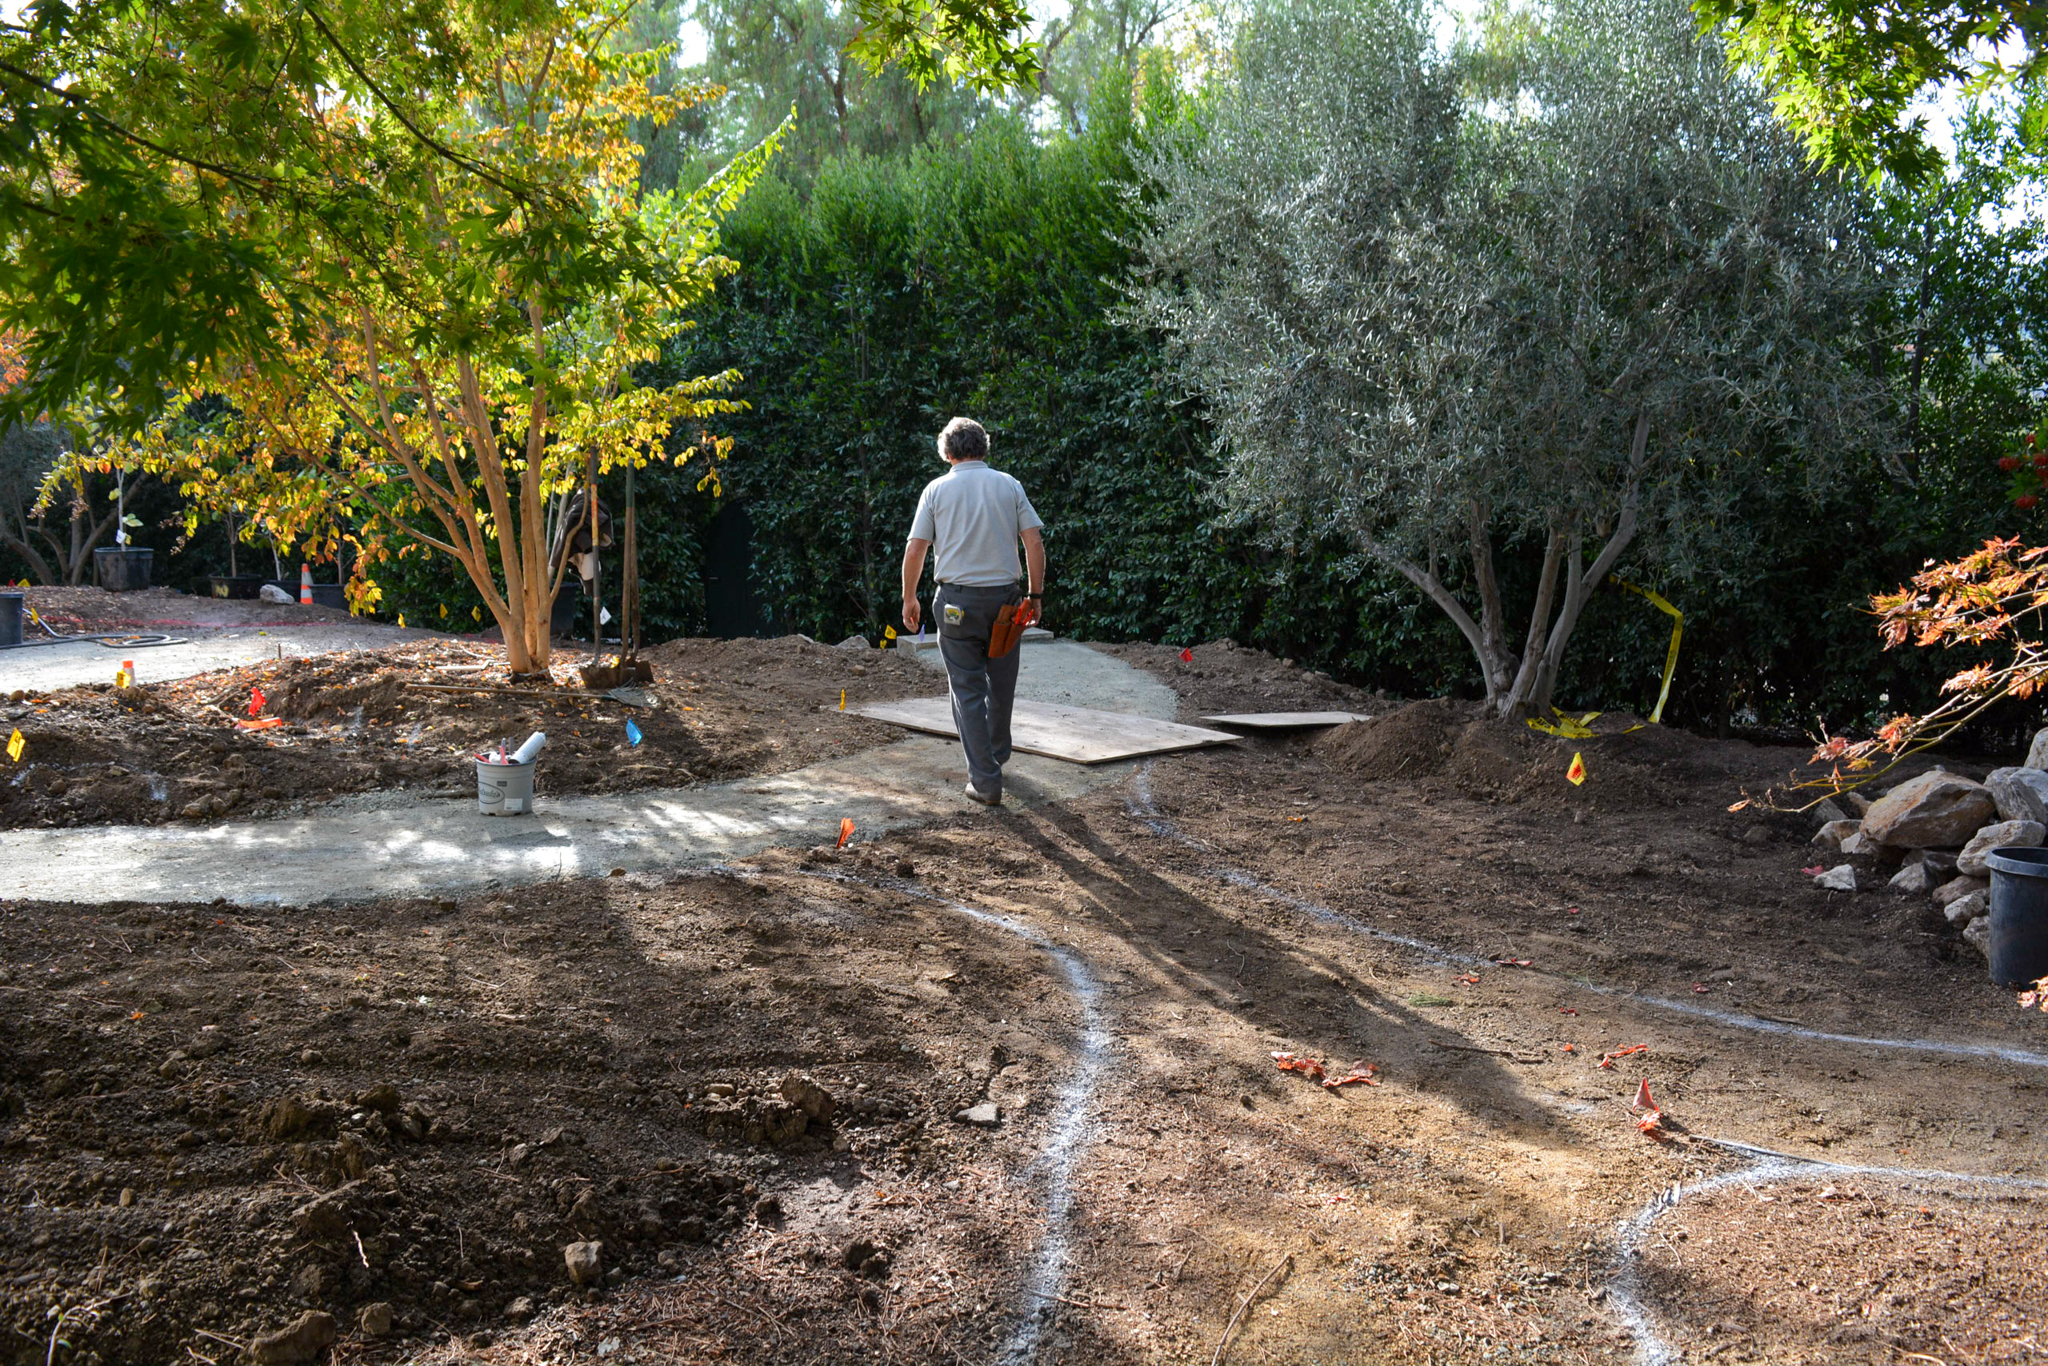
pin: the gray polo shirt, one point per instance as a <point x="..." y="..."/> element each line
<point x="973" y="515"/>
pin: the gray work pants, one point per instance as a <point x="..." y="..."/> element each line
<point x="982" y="689"/>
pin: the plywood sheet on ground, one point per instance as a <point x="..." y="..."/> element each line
<point x="1285" y="720"/>
<point x="1076" y="734"/>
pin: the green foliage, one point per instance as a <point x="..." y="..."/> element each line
<point x="163" y="162"/>
<point x="976" y="280"/>
<point x="1845" y="76"/>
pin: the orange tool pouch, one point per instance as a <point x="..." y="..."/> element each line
<point x="1009" y="627"/>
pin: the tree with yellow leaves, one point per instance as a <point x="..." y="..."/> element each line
<point x="458" y="352"/>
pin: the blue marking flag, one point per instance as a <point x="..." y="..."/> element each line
<point x="632" y="734"/>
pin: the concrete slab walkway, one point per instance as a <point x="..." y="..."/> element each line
<point x="398" y="844"/>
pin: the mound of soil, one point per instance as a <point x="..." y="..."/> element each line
<point x="1224" y="676"/>
<point x="1503" y="761"/>
<point x="69" y="610"/>
<point x="413" y="715"/>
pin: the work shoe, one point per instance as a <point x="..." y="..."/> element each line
<point x="975" y="794"/>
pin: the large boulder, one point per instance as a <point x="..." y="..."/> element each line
<point x="1831" y="835"/>
<point x="2001" y="835"/>
<point x="1937" y="808"/>
<point x="1964" y="909"/>
<point x="1957" y="888"/>
<point x="2037" y="753"/>
<point x="2021" y="793"/>
<point x="1977" y="934"/>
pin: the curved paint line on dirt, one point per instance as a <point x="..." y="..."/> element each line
<point x="1146" y="812"/>
<point x="1625" y="1291"/>
<point x="1045" y="1275"/>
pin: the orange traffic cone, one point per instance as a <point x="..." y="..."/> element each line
<point x="305" y="584"/>
<point x="1643" y="1101"/>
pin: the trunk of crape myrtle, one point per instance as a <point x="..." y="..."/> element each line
<point x="1519" y="685"/>
<point x="523" y="606"/>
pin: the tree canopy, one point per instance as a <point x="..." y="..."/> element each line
<point x="1581" y="315"/>
<point x="436" y="376"/>
<point x="1845" y="77"/>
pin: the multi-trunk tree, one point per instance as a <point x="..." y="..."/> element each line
<point x="443" y="367"/>
<point x="1568" y="299"/>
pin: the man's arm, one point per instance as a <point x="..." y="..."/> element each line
<point x="913" y="570"/>
<point x="1034" y="562"/>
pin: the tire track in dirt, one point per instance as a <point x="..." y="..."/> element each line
<point x="1625" y="1292"/>
<point x="1143" y="809"/>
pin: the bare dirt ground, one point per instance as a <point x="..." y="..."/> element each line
<point x="359" y="721"/>
<point x="215" y="1121"/>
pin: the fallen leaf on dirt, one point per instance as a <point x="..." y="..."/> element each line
<point x="1511" y="962"/>
<point x="1607" y="1059"/>
<point x="1360" y="1072"/>
<point x="1308" y="1067"/>
<point x="1566" y="1010"/>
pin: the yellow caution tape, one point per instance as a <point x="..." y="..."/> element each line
<point x="1564" y="727"/>
<point x="1671" y="655"/>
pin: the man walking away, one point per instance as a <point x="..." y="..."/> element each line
<point x="975" y="516"/>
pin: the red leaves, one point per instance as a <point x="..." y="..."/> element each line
<point x="1607" y="1059"/>
<point x="1361" y="1073"/>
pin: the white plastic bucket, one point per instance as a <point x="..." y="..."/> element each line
<point x="503" y="789"/>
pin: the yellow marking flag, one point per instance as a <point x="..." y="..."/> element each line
<point x="15" y="745"/>
<point x="1577" y="772"/>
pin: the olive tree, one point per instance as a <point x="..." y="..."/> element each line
<point x="1566" y="296"/>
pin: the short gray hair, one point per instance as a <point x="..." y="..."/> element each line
<point x="964" y="439"/>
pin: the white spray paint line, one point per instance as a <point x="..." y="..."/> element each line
<point x="1073" y="1128"/>
<point x="1625" y="1291"/>
<point x="1143" y="809"/>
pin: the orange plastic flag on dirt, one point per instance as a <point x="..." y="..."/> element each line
<point x="1577" y="772"/>
<point x="1643" y="1101"/>
<point x="256" y="700"/>
<point x="1187" y="656"/>
<point x="845" y="830"/>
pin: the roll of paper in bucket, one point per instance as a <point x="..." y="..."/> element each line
<point x="527" y="752"/>
<point x="503" y="788"/>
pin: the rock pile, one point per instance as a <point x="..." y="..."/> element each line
<point x="1938" y="828"/>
